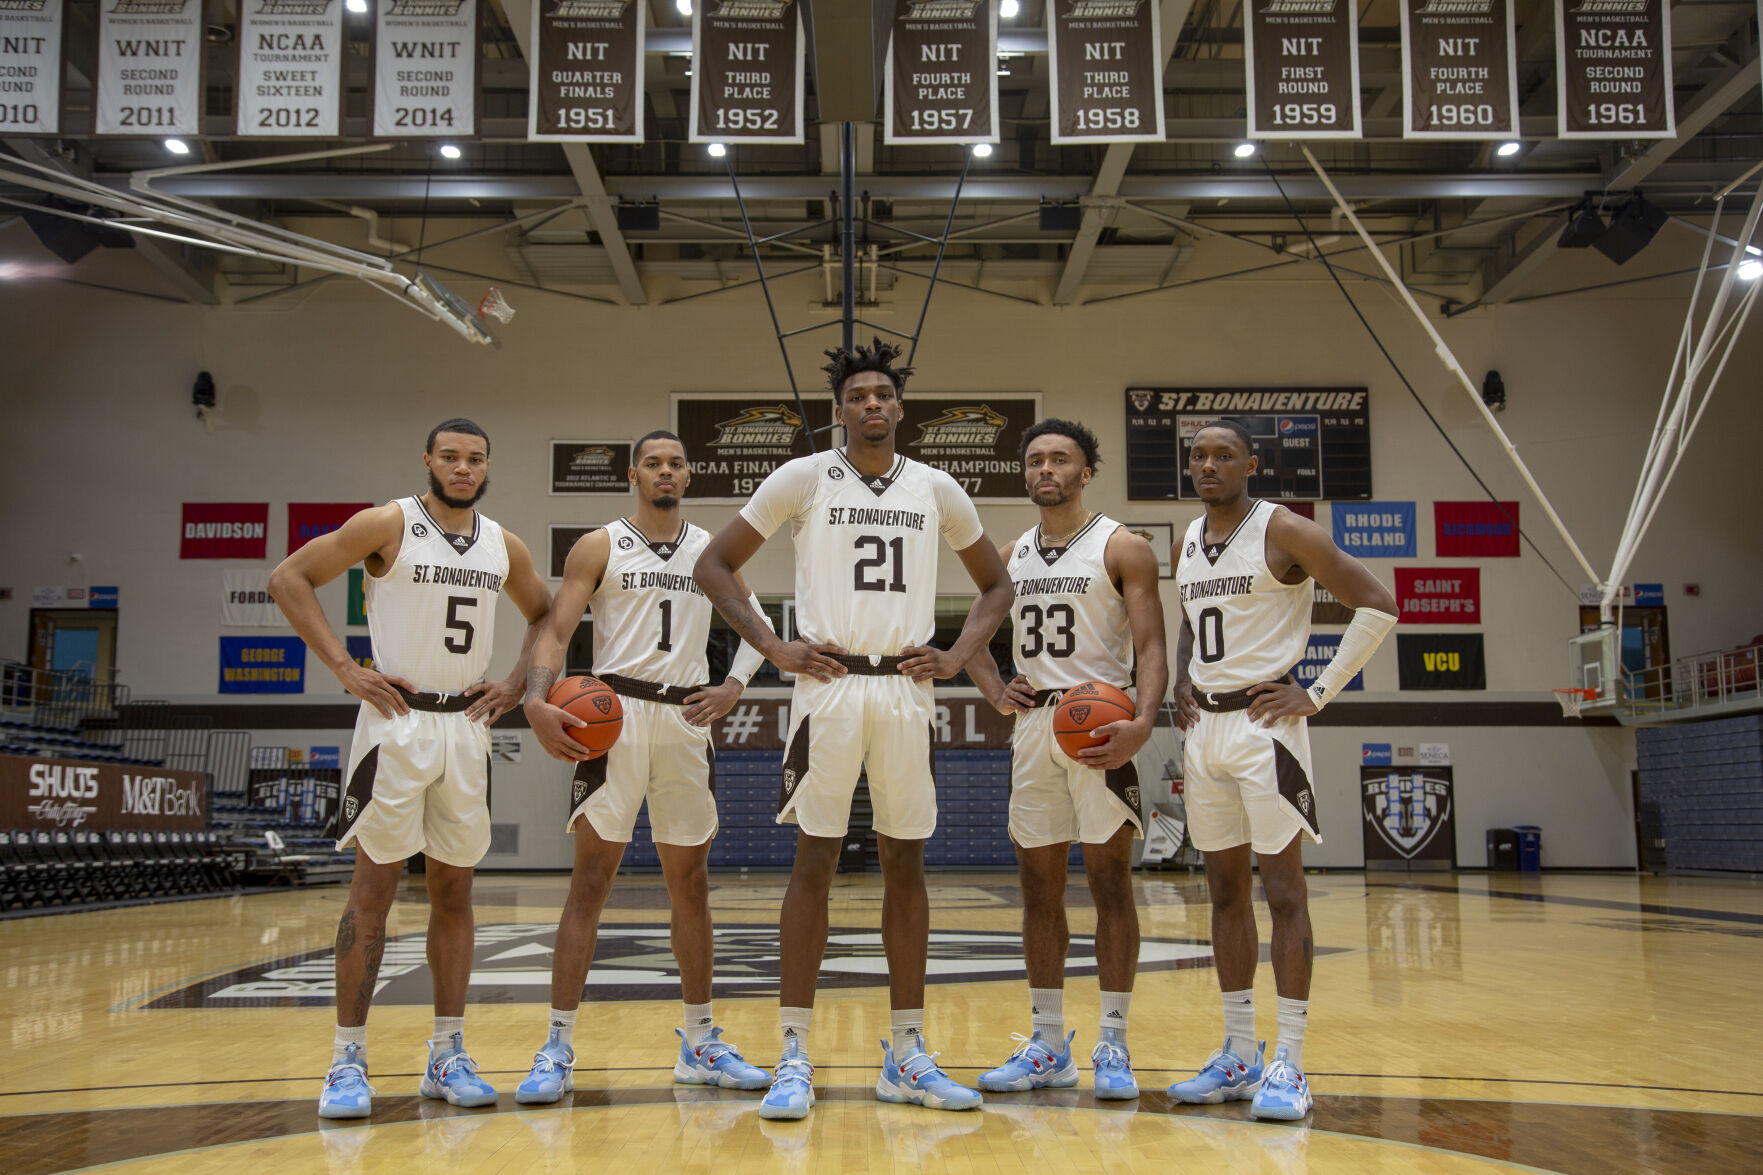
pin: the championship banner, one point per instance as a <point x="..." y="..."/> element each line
<point x="65" y="794"/>
<point x="1320" y="650"/>
<point x="973" y="439"/>
<point x="748" y="67"/>
<point x="1301" y="62"/>
<point x="262" y="665"/>
<point x="941" y="80"/>
<point x="1438" y="595"/>
<point x="1441" y="660"/>
<point x="1378" y="529"/>
<point x="1461" y="61"/>
<point x="587" y="71"/>
<point x="245" y="601"/>
<point x="30" y="66"/>
<point x="425" y="69"/>
<point x="590" y="467"/>
<point x="1104" y="71"/>
<point x="763" y="724"/>
<point x="1613" y="69"/>
<point x="291" y="68"/>
<point x="149" y="78"/>
<point x="225" y="530"/>
<point x="1410" y="816"/>
<point x="308" y="520"/>
<point x="734" y="439"/>
<point x="1475" y="530"/>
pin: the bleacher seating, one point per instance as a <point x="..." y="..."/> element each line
<point x="76" y="867"/>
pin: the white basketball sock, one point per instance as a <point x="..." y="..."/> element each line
<point x="698" y="1024"/>
<point x="1114" y="1009"/>
<point x="1046" y="1008"/>
<point x="1239" y="1023"/>
<point x="445" y="1027"/>
<point x="563" y="1024"/>
<point x="795" y="1023"/>
<point x="1294" y="1016"/>
<point x="346" y="1037"/>
<point x="908" y="1031"/>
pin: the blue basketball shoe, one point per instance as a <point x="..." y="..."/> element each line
<point x="452" y="1075"/>
<point x="916" y="1079"/>
<point x="714" y="1062"/>
<point x="346" y="1093"/>
<point x="1114" y="1079"/>
<point x="1284" y="1094"/>
<point x="792" y="1090"/>
<point x="1224" y="1078"/>
<point x="553" y="1074"/>
<point x="1034" y="1065"/>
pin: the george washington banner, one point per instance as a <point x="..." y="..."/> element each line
<point x="587" y="71"/>
<point x="942" y="75"/>
<point x="748" y="62"/>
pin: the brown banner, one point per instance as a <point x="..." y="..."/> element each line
<point x="942" y="74"/>
<point x="587" y="71"/>
<point x="760" y="724"/>
<point x="1461" y="62"/>
<point x="1613" y="69"/>
<point x="747" y="71"/>
<point x="67" y="794"/>
<point x="1105" y="71"/>
<point x="734" y="440"/>
<point x="974" y="439"/>
<point x="1302" y="66"/>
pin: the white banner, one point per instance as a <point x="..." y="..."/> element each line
<point x="245" y="601"/>
<point x="30" y="67"/>
<point x="290" y="68"/>
<point x="149" y="68"/>
<point x="425" y="69"/>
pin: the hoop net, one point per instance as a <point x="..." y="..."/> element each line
<point x="1573" y="700"/>
<point x="495" y="305"/>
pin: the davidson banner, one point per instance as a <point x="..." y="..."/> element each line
<point x="30" y="67"/>
<point x="149" y="78"/>
<point x="973" y="439"/>
<point x="1613" y="69"/>
<point x="748" y="65"/>
<point x="291" y="68"/>
<point x="734" y="439"/>
<point x="1461" y="61"/>
<point x="1410" y="817"/>
<point x="1301" y="61"/>
<point x="942" y="73"/>
<point x="1105" y="71"/>
<point x="587" y="71"/>
<point x="425" y="69"/>
<point x="64" y="794"/>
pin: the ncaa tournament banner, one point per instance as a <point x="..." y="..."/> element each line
<point x="973" y="439"/>
<point x="1475" y="530"/>
<point x="1105" y="71"/>
<point x="245" y="601"/>
<point x="1317" y="654"/>
<point x="262" y="665"/>
<point x="1438" y="595"/>
<point x="1613" y="69"/>
<point x="941" y="80"/>
<point x="1301" y="62"/>
<point x="30" y="66"/>
<point x="1377" y="529"/>
<point x="733" y="439"/>
<point x="425" y="69"/>
<point x="748" y="67"/>
<point x="590" y="467"/>
<point x="225" y="530"/>
<point x="1441" y="660"/>
<point x="149" y="80"/>
<point x="587" y="71"/>
<point x="1461" y="62"/>
<point x="291" y="68"/>
<point x="308" y="520"/>
<point x="1410" y="816"/>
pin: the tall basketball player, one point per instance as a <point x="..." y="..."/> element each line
<point x="419" y="769"/>
<point x="1086" y="609"/>
<point x="651" y="624"/>
<point x="1244" y="577"/>
<point x="866" y="521"/>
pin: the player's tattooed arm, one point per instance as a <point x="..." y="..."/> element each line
<point x="539" y="680"/>
<point x="581" y="576"/>
<point x="718" y="578"/>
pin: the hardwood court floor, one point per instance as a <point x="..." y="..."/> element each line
<point x="1578" y="1023"/>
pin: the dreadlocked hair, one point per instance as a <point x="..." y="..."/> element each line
<point x="880" y="357"/>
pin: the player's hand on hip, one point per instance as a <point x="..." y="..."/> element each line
<point x="1116" y="744"/>
<point x="712" y="702"/>
<point x="494" y="699"/>
<point x="816" y="661"/>
<point x="1279" y="699"/>
<point x="548" y="723"/>
<point x="1187" y="711"/>
<point x="1017" y="697"/>
<point x="379" y="690"/>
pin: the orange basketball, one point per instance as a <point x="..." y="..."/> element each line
<point x="1085" y="707"/>
<point x="593" y="701"/>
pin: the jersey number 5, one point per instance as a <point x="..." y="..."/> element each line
<point x="877" y="561"/>
<point x="456" y="624"/>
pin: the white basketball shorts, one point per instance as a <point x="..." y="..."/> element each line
<point x="860" y="722"/>
<point x="661" y="758"/>
<point x="417" y="783"/>
<point x="1248" y="784"/>
<point x="1055" y="800"/>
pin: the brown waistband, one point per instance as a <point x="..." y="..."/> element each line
<point x="861" y="665"/>
<point x="1228" y="703"/>
<point x="436" y="703"/>
<point x="1047" y="697"/>
<point x="648" y="691"/>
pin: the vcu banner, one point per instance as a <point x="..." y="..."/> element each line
<point x="1106" y="71"/>
<point x="1301" y="61"/>
<point x="30" y="66"/>
<point x="425" y="69"/>
<point x="587" y="71"/>
<point x="1613" y="69"/>
<point x="942" y="73"/>
<point x="747" y="71"/>
<point x="149" y="79"/>
<point x="1440" y="660"/>
<point x="1461" y="61"/>
<point x="291" y="68"/>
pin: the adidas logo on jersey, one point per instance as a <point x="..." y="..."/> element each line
<point x="664" y="550"/>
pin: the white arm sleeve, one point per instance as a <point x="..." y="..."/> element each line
<point x="785" y="494"/>
<point x="747" y="660"/>
<point x="958" y="520"/>
<point x="1358" y="643"/>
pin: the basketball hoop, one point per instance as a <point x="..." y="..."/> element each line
<point x="1573" y="700"/>
<point x="495" y="305"/>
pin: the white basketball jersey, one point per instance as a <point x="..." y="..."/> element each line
<point x="650" y="619"/>
<point x="1248" y="626"/>
<point x="432" y="615"/>
<point x="866" y="547"/>
<point x="1069" y="618"/>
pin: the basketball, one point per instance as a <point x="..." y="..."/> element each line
<point x="593" y="701"/>
<point x="1085" y="707"/>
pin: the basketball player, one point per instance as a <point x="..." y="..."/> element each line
<point x="865" y="522"/>
<point x="1244" y="577"/>
<point x="419" y="769"/>
<point x="651" y="625"/>
<point x="1086" y="609"/>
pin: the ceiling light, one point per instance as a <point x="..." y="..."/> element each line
<point x="177" y="146"/>
<point x="1507" y="150"/>
<point x="1008" y="8"/>
<point x="449" y="151"/>
<point x="717" y="150"/>
<point x="1244" y="150"/>
<point x="982" y="150"/>
<point x="1750" y="270"/>
<point x="684" y="6"/>
<point x="358" y="7"/>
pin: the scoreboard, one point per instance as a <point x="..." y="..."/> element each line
<point x="1314" y="443"/>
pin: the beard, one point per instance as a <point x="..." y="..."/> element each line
<point x="453" y="503"/>
<point x="1061" y="495"/>
<point x="664" y="501"/>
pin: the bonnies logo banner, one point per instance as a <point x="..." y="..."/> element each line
<point x="1301" y="62"/>
<point x="149" y="80"/>
<point x="1105" y="70"/>
<point x="30" y="66"/>
<point x="748" y="65"/>
<point x="1613" y="69"/>
<point x="941" y="78"/>
<point x="290" y="69"/>
<point x="1461" y="61"/>
<point x="973" y="441"/>
<point x="587" y="73"/>
<point x="733" y="440"/>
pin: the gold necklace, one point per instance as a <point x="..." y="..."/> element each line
<point x="1048" y="541"/>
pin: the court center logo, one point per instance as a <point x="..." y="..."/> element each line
<point x="1407" y="808"/>
<point x="511" y="964"/>
<point x="768" y="427"/>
